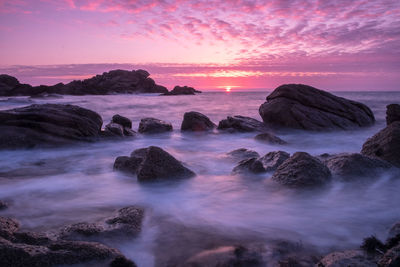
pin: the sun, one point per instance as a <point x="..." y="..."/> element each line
<point x="228" y="89"/>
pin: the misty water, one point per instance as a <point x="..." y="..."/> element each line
<point x="50" y="188"/>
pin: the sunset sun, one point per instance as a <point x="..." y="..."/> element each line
<point x="228" y="89"/>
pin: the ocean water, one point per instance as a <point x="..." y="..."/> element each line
<point x="50" y="188"/>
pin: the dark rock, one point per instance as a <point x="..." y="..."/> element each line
<point x="195" y="121"/>
<point x="392" y="113"/>
<point x="122" y="262"/>
<point x="8" y="227"/>
<point x="152" y="125"/>
<point x="355" y="165"/>
<point x="79" y="231"/>
<point x="3" y="205"/>
<point x="252" y="165"/>
<point x="123" y="121"/>
<point x="10" y="86"/>
<point x="394" y="230"/>
<point x="304" y="107"/>
<point x="302" y="170"/>
<point x="114" y="129"/>
<point x="129" y="132"/>
<point x="47" y="124"/>
<point x="391" y="258"/>
<point x="270" y="139"/>
<point x="128" y="221"/>
<point x="272" y="160"/>
<point x="31" y="238"/>
<point x="242" y="154"/>
<point x="385" y="144"/>
<point x="182" y="90"/>
<point x="152" y="163"/>
<point x="241" y="124"/>
<point x="353" y="258"/>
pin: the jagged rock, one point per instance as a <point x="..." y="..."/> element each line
<point x="301" y="170"/>
<point x="391" y="258"/>
<point x="242" y="154"/>
<point x="353" y="258"/>
<point x="152" y="125"/>
<point x="47" y="124"/>
<point x="195" y="121"/>
<point x="252" y="165"/>
<point x="270" y="139"/>
<point x="392" y="113"/>
<point x="355" y="165"/>
<point x="182" y="90"/>
<point x="123" y="121"/>
<point x="300" y="106"/>
<point x="241" y="124"/>
<point x="385" y="144"/>
<point x="272" y="160"/>
<point x="152" y="163"/>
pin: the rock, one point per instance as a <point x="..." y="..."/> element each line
<point x="182" y="90"/>
<point x="391" y="258"/>
<point x="272" y="160"/>
<point x="46" y="125"/>
<point x="300" y="106"/>
<point x="270" y="139"/>
<point x="394" y="230"/>
<point x="242" y="154"/>
<point x="353" y="258"/>
<point x="8" y="227"/>
<point x="152" y="163"/>
<point x="114" y="129"/>
<point x="114" y="81"/>
<point x="385" y="144"/>
<point x="196" y="122"/>
<point x="152" y="125"/>
<point x="355" y="165"/>
<point x="123" y="121"/>
<point x="122" y="262"/>
<point x="392" y="113"/>
<point x="252" y="165"/>
<point x="302" y="170"/>
<point x="3" y="205"/>
<point x="241" y="124"/>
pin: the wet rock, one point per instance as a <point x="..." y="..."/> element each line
<point x="394" y="230"/>
<point x="270" y="139"/>
<point x="272" y="160"/>
<point x="300" y="106"/>
<point x="114" y="129"/>
<point x="152" y="125"/>
<point x="79" y="231"/>
<point x="182" y="90"/>
<point x="354" y="258"/>
<point x="47" y="124"/>
<point x="252" y="165"/>
<point x="3" y="205"/>
<point x="392" y="113"/>
<point x="122" y="262"/>
<point x="385" y="144"/>
<point x="391" y="258"/>
<point x="152" y="163"/>
<point x="355" y="165"/>
<point x="123" y="121"/>
<point x="196" y="122"/>
<point x="242" y="154"/>
<point x="119" y="127"/>
<point x="8" y="227"/>
<point x="302" y="170"/>
<point x="241" y="124"/>
<point x="31" y="238"/>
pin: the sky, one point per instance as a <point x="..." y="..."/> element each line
<point x="329" y="44"/>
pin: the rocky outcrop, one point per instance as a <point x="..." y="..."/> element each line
<point x="152" y="126"/>
<point x="242" y="154"/>
<point x="391" y="258"/>
<point x="272" y="160"/>
<point x="269" y="138"/>
<point x="394" y="230"/>
<point x="355" y="165"/>
<point x="196" y="122"/>
<point x="151" y="164"/>
<point x="392" y="113"/>
<point x="385" y="144"/>
<point x="300" y="106"/>
<point x="47" y="124"/>
<point x="356" y="258"/>
<point x="182" y="90"/>
<point x="302" y="170"/>
<point x="112" y="82"/>
<point x="241" y="124"/>
<point x="119" y="127"/>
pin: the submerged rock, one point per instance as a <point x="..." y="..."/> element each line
<point x="300" y="106"/>
<point x="196" y="122"/>
<point x="3" y="205"/>
<point x="242" y="154"/>
<point x="385" y="144"/>
<point x="152" y="163"/>
<point x="182" y="90"/>
<point x="121" y="120"/>
<point x="392" y="113"/>
<point x="252" y="165"/>
<point x="272" y="160"/>
<point x="302" y="170"/>
<point x="270" y="139"/>
<point x="152" y="125"/>
<point x="241" y="124"/>
<point x="119" y="127"/>
<point x="47" y="124"/>
<point x="355" y="165"/>
<point x="354" y="258"/>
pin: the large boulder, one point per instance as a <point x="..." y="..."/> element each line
<point x="392" y="113"/>
<point x="196" y="122"/>
<point x="300" y="106"/>
<point x="151" y="164"/>
<point x="272" y="160"/>
<point x="355" y="165"/>
<point x="47" y="124"/>
<point x="302" y="170"/>
<point x="182" y="90"/>
<point x="152" y="125"/>
<point x="10" y="86"/>
<point x="385" y="144"/>
<point x="241" y="124"/>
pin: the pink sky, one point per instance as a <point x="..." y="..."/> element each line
<point x="333" y="45"/>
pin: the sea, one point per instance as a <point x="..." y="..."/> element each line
<point x="50" y="188"/>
